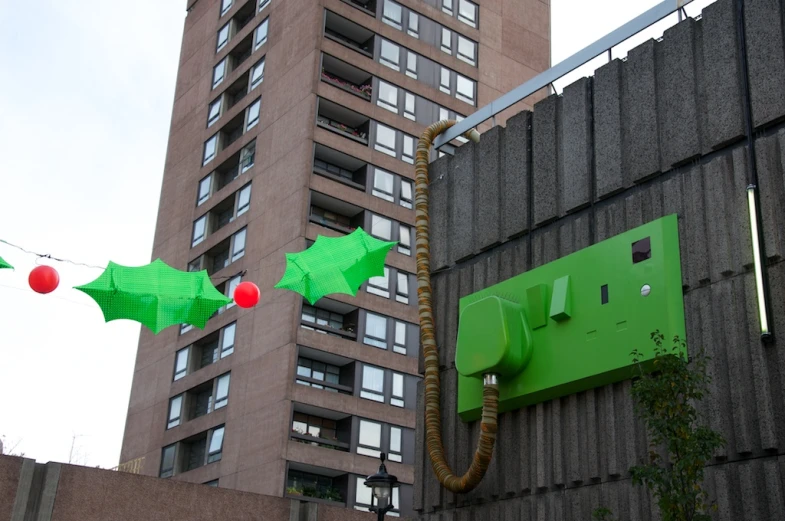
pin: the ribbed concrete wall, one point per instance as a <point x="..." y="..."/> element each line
<point x="659" y="133"/>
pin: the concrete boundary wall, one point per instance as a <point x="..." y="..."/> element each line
<point x="658" y="133"/>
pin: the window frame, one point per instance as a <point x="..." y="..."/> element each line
<point x="390" y="19"/>
<point x="370" y="393"/>
<point x="380" y="192"/>
<point x="380" y="236"/>
<point x="228" y="350"/>
<point x="371" y="339"/>
<point x="259" y="65"/>
<point x="196" y="240"/>
<point x="173" y="422"/>
<point x="212" y="141"/>
<point x="256" y="42"/>
<point x="235" y="254"/>
<point x="404" y="248"/>
<point x="446" y="48"/>
<point x="184" y="370"/>
<point x="212" y="119"/>
<point x="375" y="288"/>
<point x="368" y="449"/>
<point x="247" y="151"/>
<point x="214" y="455"/>
<point x="413" y="24"/>
<point x="201" y="199"/>
<point x="411" y="58"/>
<point x="219" y="43"/>
<point x="407" y="201"/>
<point x="461" y="96"/>
<point x="169" y="471"/>
<point x="222" y="401"/>
<point x="400" y="347"/>
<point x="223" y="67"/>
<point x="465" y="19"/>
<point x="395" y="455"/>
<point x="471" y="60"/>
<point x="384" y="102"/>
<point x="382" y="147"/>
<point x="255" y="105"/>
<point x="396" y="66"/>
<point x="242" y="208"/>
<point x="225" y="6"/>
<point x="402" y="294"/>
<point x="395" y="398"/>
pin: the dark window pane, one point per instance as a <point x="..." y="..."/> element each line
<point x="641" y="250"/>
<point x="604" y="294"/>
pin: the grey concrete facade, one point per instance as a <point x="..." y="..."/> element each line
<point x="661" y="132"/>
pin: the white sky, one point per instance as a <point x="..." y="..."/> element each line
<point x="85" y="104"/>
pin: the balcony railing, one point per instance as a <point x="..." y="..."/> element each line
<point x="309" y="439"/>
<point x="341" y="128"/>
<point x="363" y="91"/>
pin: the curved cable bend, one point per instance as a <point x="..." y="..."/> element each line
<point x="490" y="405"/>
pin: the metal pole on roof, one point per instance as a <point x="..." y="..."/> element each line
<point x="610" y="40"/>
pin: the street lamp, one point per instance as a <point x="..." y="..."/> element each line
<point x="382" y="485"/>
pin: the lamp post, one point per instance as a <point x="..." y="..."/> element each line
<point x="381" y="485"/>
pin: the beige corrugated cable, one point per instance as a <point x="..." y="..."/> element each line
<point x="490" y="407"/>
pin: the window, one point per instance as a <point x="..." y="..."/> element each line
<point x="315" y="426"/>
<point x="375" y="330"/>
<point x="400" y="337"/>
<point x="257" y="75"/>
<point x="446" y="40"/>
<point x="380" y="285"/>
<point x="307" y="368"/>
<point x="180" y="364"/>
<point x="411" y="65"/>
<point x="408" y="106"/>
<point x="243" y="199"/>
<point x="225" y="6"/>
<point x="467" y="12"/>
<point x="219" y="72"/>
<point x="222" y="391"/>
<point x="414" y="24"/>
<point x="447" y="6"/>
<point x="370" y="442"/>
<point x="263" y="4"/>
<point x="199" y="230"/>
<point x="381" y="227"/>
<point x="253" y="114"/>
<point x="464" y="89"/>
<point x="467" y="50"/>
<point x="247" y="155"/>
<point x="396" y="453"/>
<point x="385" y="140"/>
<point x="388" y="96"/>
<point x="363" y="498"/>
<point x="322" y="317"/>
<point x="213" y="483"/>
<point x="260" y="35"/>
<point x="405" y="240"/>
<point x="444" y="80"/>
<point x="462" y="139"/>
<point x="184" y="328"/>
<point x="408" y="149"/>
<point x="383" y="184"/>
<point x="216" y="445"/>
<point x="210" y="147"/>
<point x="238" y="245"/>
<point x="204" y="189"/>
<point x="167" y="461"/>
<point x="227" y="341"/>
<point x="397" y="390"/>
<point x="402" y="288"/>
<point x="390" y="55"/>
<point x="214" y="112"/>
<point x="175" y="411"/>
<point x="373" y="383"/>
<point x="223" y="37"/>
<point x="230" y="287"/>
<point x="392" y="14"/>
<point x="407" y="187"/>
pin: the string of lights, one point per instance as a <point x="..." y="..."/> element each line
<point x="93" y="266"/>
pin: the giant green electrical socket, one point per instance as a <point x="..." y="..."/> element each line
<point x="571" y="324"/>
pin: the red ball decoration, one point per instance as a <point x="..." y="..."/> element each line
<point x="44" y="279"/>
<point x="246" y="294"/>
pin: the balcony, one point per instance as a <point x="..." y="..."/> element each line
<point x="348" y="33"/>
<point x="340" y="167"/>
<point x="235" y="165"/>
<point x="342" y="121"/>
<point x="366" y="6"/>
<point x="237" y="91"/>
<point x="244" y="15"/>
<point x="347" y="77"/>
<point x="321" y="427"/>
<point x="335" y="214"/>
<point x="326" y="371"/>
<point x="330" y="317"/>
<point x="308" y="482"/>
<point x="242" y="51"/>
